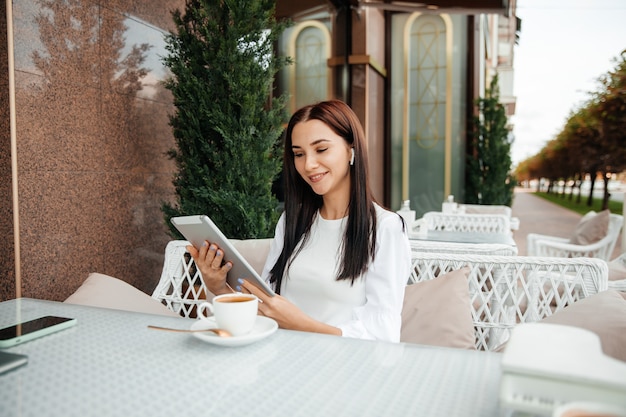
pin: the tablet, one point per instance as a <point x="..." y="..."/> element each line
<point x="196" y="229"/>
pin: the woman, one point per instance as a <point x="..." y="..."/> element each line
<point x="338" y="261"/>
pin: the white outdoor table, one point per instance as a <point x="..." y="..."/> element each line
<point x="110" y="364"/>
<point x="464" y="237"/>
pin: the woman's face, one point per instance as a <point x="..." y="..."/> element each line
<point x="322" y="158"/>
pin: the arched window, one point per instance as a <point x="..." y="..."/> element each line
<point x="309" y="78"/>
<point x="426" y="68"/>
<point x="427" y="134"/>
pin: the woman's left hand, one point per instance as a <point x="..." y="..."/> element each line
<point x="287" y="315"/>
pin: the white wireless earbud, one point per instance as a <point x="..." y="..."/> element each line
<point x="352" y="158"/>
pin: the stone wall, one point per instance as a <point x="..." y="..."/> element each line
<point x="92" y="136"/>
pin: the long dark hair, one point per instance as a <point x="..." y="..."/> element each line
<point x="301" y="203"/>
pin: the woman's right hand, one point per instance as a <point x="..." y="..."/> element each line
<point x="210" y="261"/>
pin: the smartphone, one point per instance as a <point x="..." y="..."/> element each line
<point x="10" y="361"/>
<point x="29" y="330"/>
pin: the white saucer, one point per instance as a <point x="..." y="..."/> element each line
<point x="263" y="327"/>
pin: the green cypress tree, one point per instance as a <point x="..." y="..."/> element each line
<point x="488" y="178"/>
<point x="227" y="125"/>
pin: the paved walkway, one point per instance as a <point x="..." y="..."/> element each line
<point x="541" y="216"/>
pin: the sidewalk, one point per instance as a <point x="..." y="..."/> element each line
<point x="537" y="215"/>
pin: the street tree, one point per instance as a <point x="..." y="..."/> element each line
<point x="488" y="178"/>
<point x="610" y="112"/>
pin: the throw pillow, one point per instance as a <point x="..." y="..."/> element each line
<point x="591" y="228"/>
<point x="604" y="314"/>
<point x="101" y="290"/>
<point x="438" y="312"/>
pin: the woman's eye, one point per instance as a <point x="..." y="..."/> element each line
<point x="297" y="155"/>
<point x="322" y="150"/>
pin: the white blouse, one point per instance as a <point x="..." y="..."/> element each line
<point x="369" y="309"/>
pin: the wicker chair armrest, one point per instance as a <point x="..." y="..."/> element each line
<point x="618" y="285"/>
<point x="538" y="236"/>
<point x="533" y="238"/>
<point x="545" y="247"/>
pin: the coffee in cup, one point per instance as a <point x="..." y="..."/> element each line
<point x="235" y="312"/>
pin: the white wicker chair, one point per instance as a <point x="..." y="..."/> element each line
<point x="507" y="290"/>
<point x="491" y="209"/>
<point x="544" y="245"/>
<point x="488" y="223"/>
<point x="181" y="287"/>
<point x="467" y="248"/>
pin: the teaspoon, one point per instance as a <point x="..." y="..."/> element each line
<point x="219" y="332"/>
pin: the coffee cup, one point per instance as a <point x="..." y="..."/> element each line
<point x="233" y="312"/>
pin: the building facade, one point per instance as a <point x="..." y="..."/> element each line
<point x="84" y="122"/>
<point x="412" y="72"/>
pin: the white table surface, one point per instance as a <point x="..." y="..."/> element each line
<point x="464" y="237"/>
<point x="110" y="364"/>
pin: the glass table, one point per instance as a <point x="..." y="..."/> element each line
<point x="111" y="364"/>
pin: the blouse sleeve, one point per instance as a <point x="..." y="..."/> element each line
<point x="380" y="318"/>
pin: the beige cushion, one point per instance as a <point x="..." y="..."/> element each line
<point x="591" y="228"/>
<point x="604" y="314"/>
<point x="255" y="251"/>
<point x="438" y="312"/>
<point x="101" y="290"/>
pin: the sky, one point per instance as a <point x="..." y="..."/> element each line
<point x="564" y="47"/>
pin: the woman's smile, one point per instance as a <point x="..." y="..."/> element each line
<point x="317" y="177"/>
